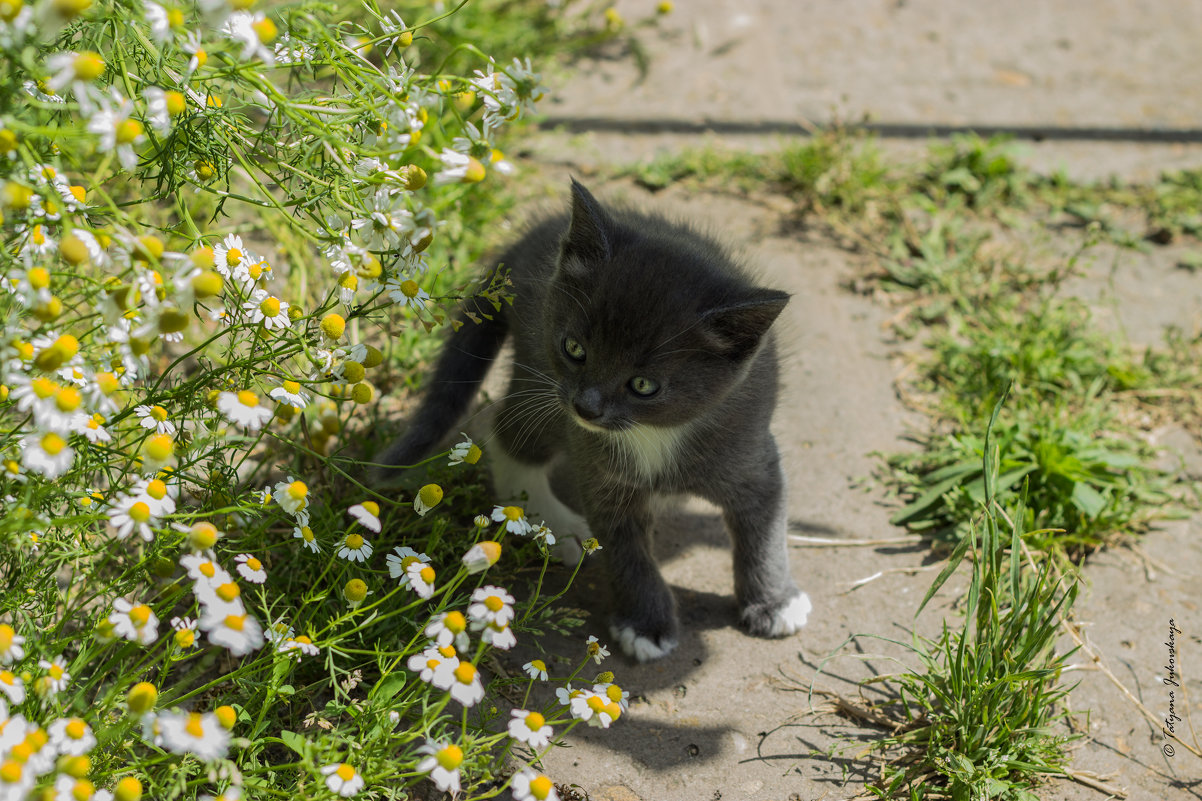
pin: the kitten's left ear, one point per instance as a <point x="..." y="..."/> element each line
<point x="735" y="331"/>
<point x="587" y="239"/>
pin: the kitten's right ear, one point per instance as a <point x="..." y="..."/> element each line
<point x="587" y="239"/>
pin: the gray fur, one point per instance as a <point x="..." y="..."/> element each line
<point x="638" y="296"/>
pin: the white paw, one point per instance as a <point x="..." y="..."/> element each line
<point x="640" y="648"/>
<point x="568" y="551"/>
<point x="792" y="616"/>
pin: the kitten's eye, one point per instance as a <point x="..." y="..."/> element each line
<point x="573" y="348"/>
<point x="645" y="387"/>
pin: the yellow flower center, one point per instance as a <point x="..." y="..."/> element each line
<point x="409" y="288"/>
<point x="55" y="670"/>
<point x="7" y="635"/>
<point x="254" y="564"/>
<point x="156" y="489"/>
<point x="595" y="703"/>
<point x="446" y="651"/>
<point x="159" y="447"/>
<point x="67" y="399"/>
<point x="11" y="771"/>
<point x="427" y="574"/>
<point x="493" y="603"/>
<point x="354" y="541"/>
<point x="39" y="278"/>
<point x="372" y="508"/>
<point x="540" y="787"/>
<point x="158" y="413"/>
<point x="248" y="398"/>
<point x="194" y="726"/>
<point x="614" y="692"/>
<point x="43" y="387"/>
<point x="128" y="131"/>
<point x="139" y="512"/>
<point x="235" y="622"/>
<point x="207" y="569"/>
<point x="303" y="640"/>
<point x="176" y="104"/>
<point x="465" y="673"/>
<point x="297" y="490"/>
<point x="513" y="513"/>
<point x="185" y="638"/>
<point x="228" y="592"/>
<point x="450" y="757"/>
<point x="82" y="790"/>
<point x="431" y="494"/>
<point x="307" y="534"/>
<point x="88" y="67"/>
<point x="345" y="772"/>
<point x="265" y="29"/>
<point x="139" y="615"/>
<point x="292" y="387"/>
<point x="535" y="721"/>
<point x="226" y="716"/>
<point x="455" y="622"/>
<point x="233" y="257"/>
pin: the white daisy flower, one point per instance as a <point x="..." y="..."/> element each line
<point x="447" y="628"/>
<point x="499" y="636"/>
<point x="154" y="418"/>
<point x="490" y="604"/>
<point x="596" y="650"/>
<point x="530" y="786"/>
<point x="11" y="643"/>
<point x="268" y="310"/>
<point x="202" y="568"/>
<point x="465" y="452"/>
<point x="201" y="735"/>
<point x="250" y="568"/>
<point x="514" y="519"/>
<point x="131" y="514"/>
<point x="354" y="548"/>
<point x="442" y="764"/>
<point x="185" y="631"/>
<point x="239" y="634"/>
<point x="292" y="496"/>
<point x="466" y="687"/>
<point x="47" y="454"/>
<point x="56" y="673"/>
<point x="12" y="686"/>
<point x="306" y="536"/>
<point x="290" y="393"/>
<point x="536" y="669"/>
<point x="427" y="663"/>
<point x="243" y="409"/>
<point x="342" y="779"/>
<point x="136" y="622"/>
<point x="301" y="644"/>
<point x="368" y="515"/>
<point x="71" y="736"/>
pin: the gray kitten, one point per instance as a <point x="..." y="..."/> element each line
<point x="643" y="365"/>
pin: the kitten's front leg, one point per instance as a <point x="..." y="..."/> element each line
<point x="644" y="621"/>
<point x="770" y="604"/>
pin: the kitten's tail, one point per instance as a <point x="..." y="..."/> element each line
<point x="462" y="365"/>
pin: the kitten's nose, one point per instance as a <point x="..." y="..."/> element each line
<point x="587" y="404"/>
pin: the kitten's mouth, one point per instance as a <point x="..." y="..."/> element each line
<point x="587" y="426"/>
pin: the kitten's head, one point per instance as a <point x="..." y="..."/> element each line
<point x="648" y="322"/>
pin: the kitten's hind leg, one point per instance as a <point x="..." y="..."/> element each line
<point x="770" y="604"/>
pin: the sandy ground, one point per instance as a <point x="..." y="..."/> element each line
<point x="727" y="716"/>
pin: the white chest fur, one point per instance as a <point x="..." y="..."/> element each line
<point x="649" y="451"/>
